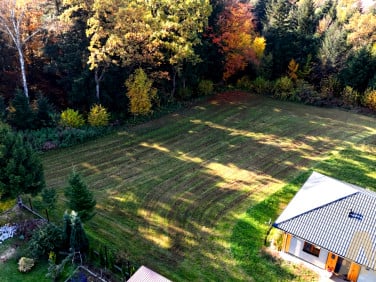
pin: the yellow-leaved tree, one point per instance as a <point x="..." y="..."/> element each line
<point x="140" y="93"/>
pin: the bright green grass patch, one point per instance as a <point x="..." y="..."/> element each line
<point x="356" y="165"/>
<point x="9" y="272"/>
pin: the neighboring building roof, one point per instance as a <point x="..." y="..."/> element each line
<point x="334" y="215"/>
<point x="144" y="274"/>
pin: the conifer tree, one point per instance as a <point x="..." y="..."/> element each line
<point x="74" y="236"/>
<point x="78" y="238"/>
<point x="80" y="198"/>
<point x="21" y="170"/>
<point x="21" y="115"/>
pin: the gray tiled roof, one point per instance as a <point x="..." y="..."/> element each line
<point x="345" y="226"/>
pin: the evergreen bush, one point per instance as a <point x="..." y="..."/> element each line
<point x="98" y="116"/>
<point x="71" y="118"/>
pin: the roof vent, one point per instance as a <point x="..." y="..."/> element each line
<point x="355" y="215"/>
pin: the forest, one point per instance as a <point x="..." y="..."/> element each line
<point x="127" y="58"/>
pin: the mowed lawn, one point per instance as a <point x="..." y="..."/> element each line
<point x="169" y="192"/>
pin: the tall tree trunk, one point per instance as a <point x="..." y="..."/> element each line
<point x="174" y="72"/>
<point x="23" y="70"/>
<point x="98" y="76"/>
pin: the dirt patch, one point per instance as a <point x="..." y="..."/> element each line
<point x="231" y="97"/>
<point x="7" y="254"/>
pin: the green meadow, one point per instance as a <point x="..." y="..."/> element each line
<point x="191" y="194"/>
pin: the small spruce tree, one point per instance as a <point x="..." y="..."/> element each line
<point x="49" y="197"/>
<point x="80" y="198"/>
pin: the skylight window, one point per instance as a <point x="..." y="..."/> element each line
<point x="355" y="215"/>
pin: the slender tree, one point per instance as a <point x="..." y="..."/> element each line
<point x="80" y="198"/>
<point x="21" y="20"/>
<point x="78" y="240"/>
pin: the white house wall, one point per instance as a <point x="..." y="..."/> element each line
<point x="296" y="249"/>
<point x="366" y="275"/>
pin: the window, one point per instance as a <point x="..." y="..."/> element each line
<point x="311" y="249"/>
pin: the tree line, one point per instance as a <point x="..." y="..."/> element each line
<point x="133" y="56"/>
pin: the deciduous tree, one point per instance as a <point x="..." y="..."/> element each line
<point x="237" y="38"/>
<point x="140" y="93"/>
<point x="21" y="20"/>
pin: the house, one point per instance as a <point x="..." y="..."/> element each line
<point x="144" y="274"/>
<point x="332" y="224"/>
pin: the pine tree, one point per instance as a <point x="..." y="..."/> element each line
<point x="80" y="198"/>
<point x="21" y="170"/>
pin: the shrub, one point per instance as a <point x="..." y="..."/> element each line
<point x="98" y="116"/>
<point x="205" y="87"/>
<point x="25" y="264"/>
<point x="244" y="83"/>
<point x="71" y="118"/>
<point x="350" y="96"/>
<point x="306" y="93"/>
<point x="47" y="238"/>
<point x="331" y="87"/>
<point x="262" y="86"/>
<point x="46" y="139"/>
<point x="284" y="89"/>
<point x="369" y="99"/>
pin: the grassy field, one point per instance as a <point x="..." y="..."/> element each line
<point x="182" y="193"/>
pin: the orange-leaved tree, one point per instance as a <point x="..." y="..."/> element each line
<point x="237" y="39"/>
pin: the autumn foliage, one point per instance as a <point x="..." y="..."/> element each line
<point x="237" y="39"/>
